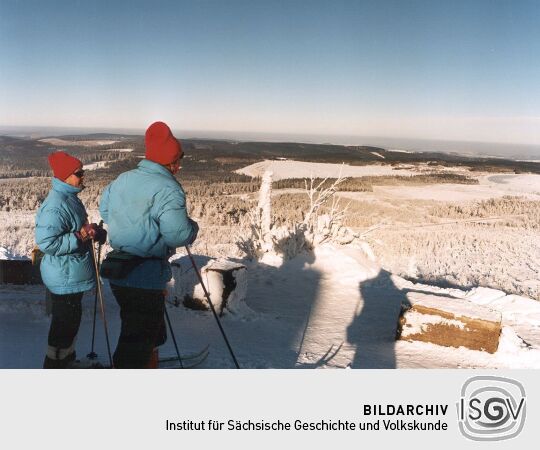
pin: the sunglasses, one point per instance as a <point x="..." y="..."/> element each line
<point x="79" y="173"/>
<point x="179" y="160"/>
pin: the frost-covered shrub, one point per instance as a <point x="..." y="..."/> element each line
<point x="295" y="237"/>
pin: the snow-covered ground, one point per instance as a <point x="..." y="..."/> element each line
<point x="523" y="183"/>
<point x="302" y="169"/>
<point x="396" y="150"/>
<point x="105" y="164"/>
<point x="492" y="186"/>
<point x="336" y="307"/>
<point x="7" y="254"/>
<point x="333" y="308"/>
<point x="85" y="143"/>
<point x="97" y="165"/>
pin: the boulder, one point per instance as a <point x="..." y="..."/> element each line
<point x="450" y="322"/>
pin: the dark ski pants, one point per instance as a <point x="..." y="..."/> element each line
<point x="143" y="326"/>
<point x="66" y="319"/>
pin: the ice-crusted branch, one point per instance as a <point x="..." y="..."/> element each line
<point x="318" y="196"/>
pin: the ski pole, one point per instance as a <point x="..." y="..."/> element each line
<point x="93" y="354"/>
<point x="212" y="307"/>
<point x="173" y="337"/>
<point x="102" y="306"/>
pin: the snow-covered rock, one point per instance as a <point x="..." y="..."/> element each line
<point x="451" y="322"/>
<point x="225" y="281"/>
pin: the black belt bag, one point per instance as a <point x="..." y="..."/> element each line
<point x="118" y="264"/>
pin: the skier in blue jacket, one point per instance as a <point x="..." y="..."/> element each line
<point x="145" y="210"/>
<point x="64" y="235"/>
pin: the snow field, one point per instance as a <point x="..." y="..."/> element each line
<point x="337" y="307"/>
<point x="85" y="143"/>
<point x="333" y="308"/>
<point x="300" y="169"/>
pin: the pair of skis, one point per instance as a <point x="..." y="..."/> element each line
<point x="189" y="361"/>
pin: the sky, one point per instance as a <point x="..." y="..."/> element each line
<point x="456" y="70"/>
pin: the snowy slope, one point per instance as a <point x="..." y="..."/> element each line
<point x="303" y="169"/>
<point x="330" y="308"/>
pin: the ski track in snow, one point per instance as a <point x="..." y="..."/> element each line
<point x="333" y="308"/>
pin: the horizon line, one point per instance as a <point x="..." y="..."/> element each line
<point x="283" y="135"/>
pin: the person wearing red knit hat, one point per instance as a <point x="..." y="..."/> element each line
<point x="145" y="210"/>
<point x="64" y="235"/>
<point x="161" y="146"/>
<point x="64" y="166"/>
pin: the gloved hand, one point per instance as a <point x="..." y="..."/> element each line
<point x="92" y="231"/>
<point x="195" y="227"/>
<point x="101" y="235"/>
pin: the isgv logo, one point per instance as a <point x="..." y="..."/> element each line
<point x="491" y="408"/>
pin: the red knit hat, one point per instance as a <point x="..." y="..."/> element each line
<point x="63" y="165"/>
<point x="161" y="146"/>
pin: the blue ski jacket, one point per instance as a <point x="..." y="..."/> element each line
<point x="67" y="266"/>
<point x="145" y="210"/>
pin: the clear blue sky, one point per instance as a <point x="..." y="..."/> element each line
<point x="436" y="69"/>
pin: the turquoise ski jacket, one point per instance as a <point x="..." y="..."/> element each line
<point x="67" y="266"/>
<point x="145" y="210"/>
